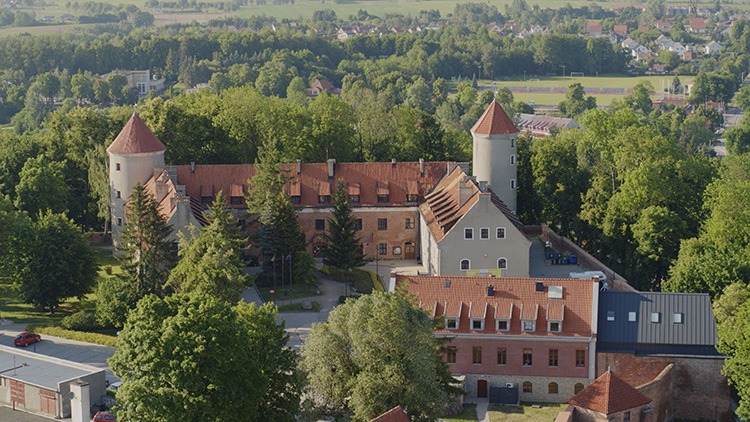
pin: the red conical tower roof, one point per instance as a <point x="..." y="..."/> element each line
<point x="609" y="394"/>
<point x="494" y="121"/>
<point x="136" y="138"/>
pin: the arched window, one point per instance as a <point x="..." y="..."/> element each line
<point x="465" y="264"/>
<point x="552" y="388"/>
<point x="527" y="386"/>
<point x="578" y="388"/>
<point x="502" y="263"/>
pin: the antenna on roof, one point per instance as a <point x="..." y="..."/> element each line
<point x="135" y="109"/>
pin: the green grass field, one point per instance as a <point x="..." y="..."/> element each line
<point x="525" y="413"/>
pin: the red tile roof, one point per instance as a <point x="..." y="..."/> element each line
<point x="135" y="138"/>
<point x="512" y="296"/>
<point x="370" y="177"/>
<point x="396" y="414"/>
<point x="697" y="23"/>
<point x="443" y="208"/>
<point x="494" y="121"/>
<point x="609" y="394"/>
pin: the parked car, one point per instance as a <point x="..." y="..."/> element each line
<point x="24" y="339"/>
<point x="104" y="417"/>
<point x="114" y="386"/>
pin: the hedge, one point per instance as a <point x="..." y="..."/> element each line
<point x="97" y="338"/>
<point x="376" y="282"/>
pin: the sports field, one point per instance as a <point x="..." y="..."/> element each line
<point x="603" y="81"/>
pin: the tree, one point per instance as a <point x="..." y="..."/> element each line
<point x="576" y="101"/>
<point x="373" y="354"/>
<point x="147" y="252"/>
<point x="734" y="341"/>
<point x="418" y="96"/>
<point x="738" y="139"/>
<point x="42" y="186"/>
<point x="58" y="262"/>
<point x="210" y="257"/>
<point x="640" y="99"/>
<point x="194" y="357"/>
<point x="296" y="90"/>
<point x="344" y="247"/>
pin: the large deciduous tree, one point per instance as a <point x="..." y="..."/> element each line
<point x="373" y="354"/>
<point x="344" y="247"/>
<point x="210" y="257"/>
<point x="193" y="357"/>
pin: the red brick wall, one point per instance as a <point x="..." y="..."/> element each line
<point x="660" y="391"/>
<point x="395" y="236"/>
<point x="514" y="358"/>
<point x="700" y="390"/>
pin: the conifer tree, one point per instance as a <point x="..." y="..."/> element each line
<point x="344" y="247"/>
<point x="147" y="253"/>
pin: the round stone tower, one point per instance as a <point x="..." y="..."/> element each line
<point x="132" y="158"/>
<point x="494" y="148"/>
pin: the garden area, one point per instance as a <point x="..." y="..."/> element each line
<point x="526" y="412"/>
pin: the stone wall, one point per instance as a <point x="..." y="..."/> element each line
<point x="539" y="391"/>
<point x="660" y="391"/>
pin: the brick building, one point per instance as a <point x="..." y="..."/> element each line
<point x="610" y="399"/>
<point x="642" y="333"/>
<point x="537" y="336"/>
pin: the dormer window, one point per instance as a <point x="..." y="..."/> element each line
<point x="503" y="325"/>
<point x="451" y="323"/>
<point x="412" y="198"/>
<point x="477" y="324"/>
<point x="324" y="199"/>
<point x="554" y="326"/>
<point x="528" y="325"/>
<point x="235" y="200"/>
<point x="631" y="317"/>
<point x="382" y="198"/>
<point x="295" y="199"/>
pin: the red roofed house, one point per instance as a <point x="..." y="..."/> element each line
<point x="620" y="29"/>
<point x="697" y="26"/>
<point x="396" y="414"/>
<point x="322" y="85"/>
<point x="534" y="338"/>
<point x="610" y="399"/>
<point x="386" y="196"/>
<point x="664" y="25"/>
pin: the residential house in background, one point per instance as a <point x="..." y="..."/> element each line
<point x="396" y="414"/>
<point x="713" y="47"/>
<point x="514" y="338"/>
<point x="664" y="25"/>
<point x="697" y="26"/>
<point x="321" y="85"/>
<point x="620" y="29"/>
<point x="140" y="81"/>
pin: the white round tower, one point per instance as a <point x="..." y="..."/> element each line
<point x="494" y="153"/>
<point x="132" y="158"/>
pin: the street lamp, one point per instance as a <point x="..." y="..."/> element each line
<point x="480" y="73"/>
<point x="563" y="66"/>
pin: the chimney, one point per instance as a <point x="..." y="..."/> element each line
<point x="464" y="192"/>
<point x="393" y="162"/>
<point x="192" y="167"/>
<point x="160" y="185"/>
<point x="483" y="187"/>
<point x="421" y="167"/>
<point x="80" y="401"/>
<point x="299" y="166"/>
<point x="331" y="166"/>
<point x="490" y="290"/>
<point x="392" y="284"/>
<point x="450" y="165"/>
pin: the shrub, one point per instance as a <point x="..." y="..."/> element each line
<point x="80" y="321"/>
<point x="108" y="269"/>
<point x="102" y="339"/>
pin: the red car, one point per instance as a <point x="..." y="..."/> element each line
<point x="104" y="417"/>
<point x="24" y="339"/>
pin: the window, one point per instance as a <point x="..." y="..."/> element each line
<point x="512" y="184"/>
<point x="552" y="357"/>
<point x="324" y="199"/>
<point x="465" y="264"/>
<point x="450" y="355"/>
<point x="527" y="387"/>
<point x="468" y="233"/>
<point x="119" y="195"/>
<point x="552" y="388"/>
<point x="512" y="160"/>
<point x="626" y="417"/>
<point x="500" y="233"/>
<point x="577" y="388"/>
<point x="295" y="199"/>
<point x="354" y="198"/>
<point x="501" y="356"/>
<point x="677" y="318"/>
<point x="610" y="315"/>
<point x="484" y="233"/>
<point x="382" y="224"/>
<point x="553" y="326"/>
<point x="206" y="199"/>
<point x="631" y="316"/>
<point x="580" y="358"/>
<point x="477" y="324"/>
<point x="527" y="357"/>
<point x="397" y="250"/>
<point x="503" y="325"/>
<point x="382" y="198"/>
<point x="451" y="323"/>
<point x="528" y="325"/>
<point x="410" y="223"/>
<point x="358" y="224"/>
<point x="382" y="249"/>
<point x="320" y="225"/>
<point x="119" y="221"/>
<point x="412" y="198"/>
<point x="117" y="166"/>
<point x="235" y="200"/>
<point x="513" y="143"/>
<point x="502" y="263"/>
<point x="655" y="317"/>
<point x="476" y="355"/>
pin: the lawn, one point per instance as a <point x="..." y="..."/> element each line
<point x="360" y="278"/>
<point x="469" y="414"/>
<point x="526" y="413"/>
<point x="297" y="307"/>
<point x="297" y="291"/>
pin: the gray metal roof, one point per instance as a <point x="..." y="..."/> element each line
<point x="698" y="325"/>
<point x="42" y="371"/>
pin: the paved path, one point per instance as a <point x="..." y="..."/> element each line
<point x="482" y="405"/>
<point x="72" y="350"/>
